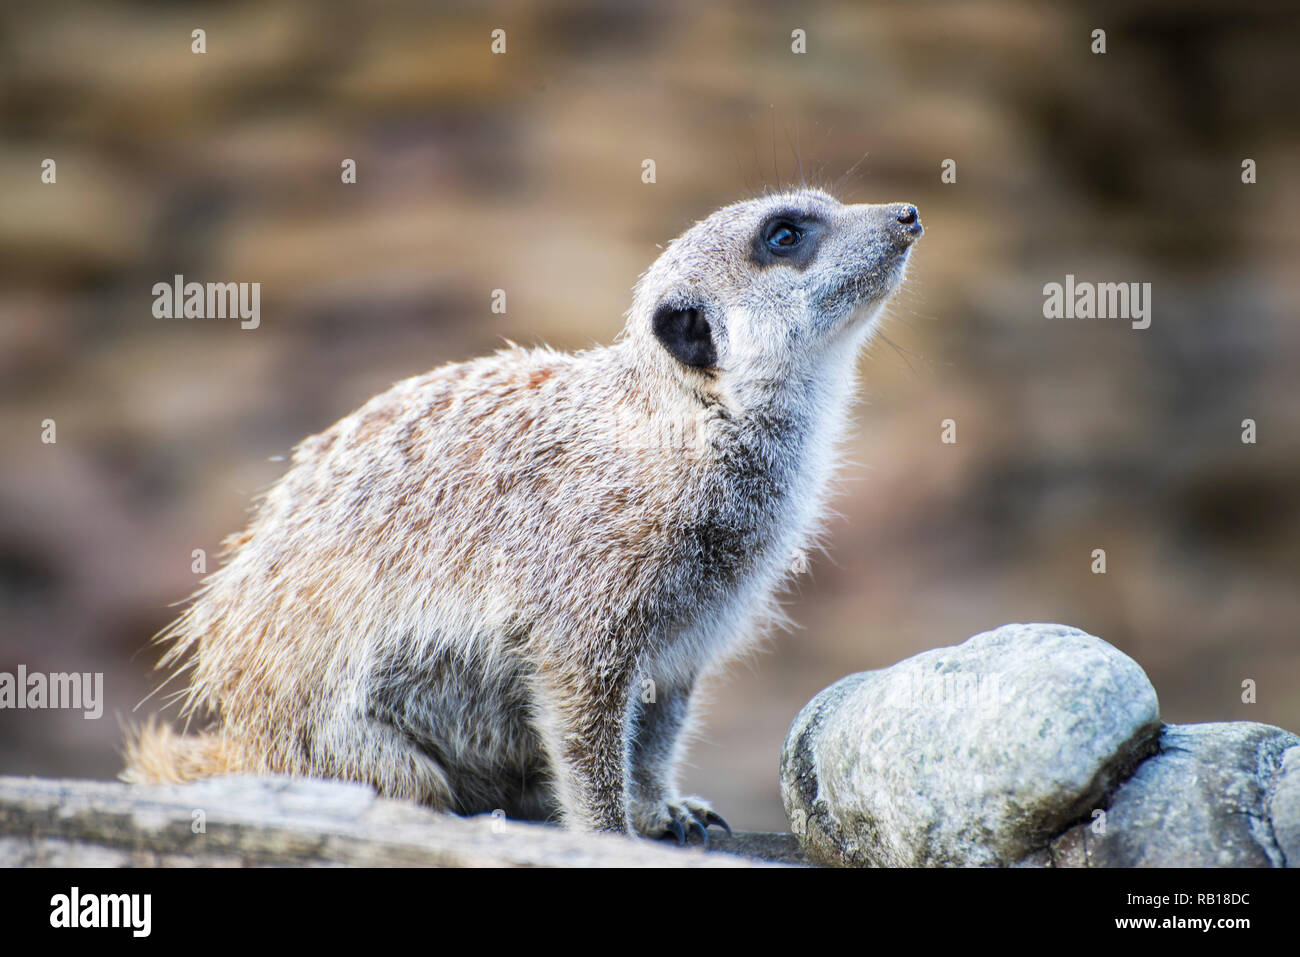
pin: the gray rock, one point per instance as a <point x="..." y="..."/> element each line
<point x="1214" y="795"/>
<point x="973" y="755"/>
<point x="1284" y="807"/>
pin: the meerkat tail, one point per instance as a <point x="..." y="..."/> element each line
<point x="155" y="754"/>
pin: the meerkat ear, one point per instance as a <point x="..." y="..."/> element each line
<point x="686" y="334"/>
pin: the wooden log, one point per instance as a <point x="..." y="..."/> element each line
<point x="279" y="821"/>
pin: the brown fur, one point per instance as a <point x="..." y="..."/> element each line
<point x="156" y="754"/>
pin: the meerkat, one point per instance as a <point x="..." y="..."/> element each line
<point x="498" y="585"/>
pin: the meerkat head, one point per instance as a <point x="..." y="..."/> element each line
<point x="766" y="289"/>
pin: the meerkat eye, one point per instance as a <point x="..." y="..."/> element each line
<point x="783" y="236"/>
<point x="787" y="238"/>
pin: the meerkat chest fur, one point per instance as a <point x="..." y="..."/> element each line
<point x="758" y="498"/>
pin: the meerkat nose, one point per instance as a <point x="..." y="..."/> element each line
<point x="906" y="216"/>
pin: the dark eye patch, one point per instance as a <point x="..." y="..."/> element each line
<point x="789" y="238"/>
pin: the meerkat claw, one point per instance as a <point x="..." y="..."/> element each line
<point x="677" y="830"/>
<point x="712" y="817"/>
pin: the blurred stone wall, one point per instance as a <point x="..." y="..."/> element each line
<point x="522" y="172"/>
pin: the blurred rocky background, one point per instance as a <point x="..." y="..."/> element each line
<point x="523" y="172"/>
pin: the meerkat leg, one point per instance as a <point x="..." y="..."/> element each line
<point x="656" y="807"/>
<point x="582" y="719"/>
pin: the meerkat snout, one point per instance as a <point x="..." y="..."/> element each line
<point x="498" y="585"/>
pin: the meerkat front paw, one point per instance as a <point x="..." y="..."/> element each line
<point x="678" y="818"/>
